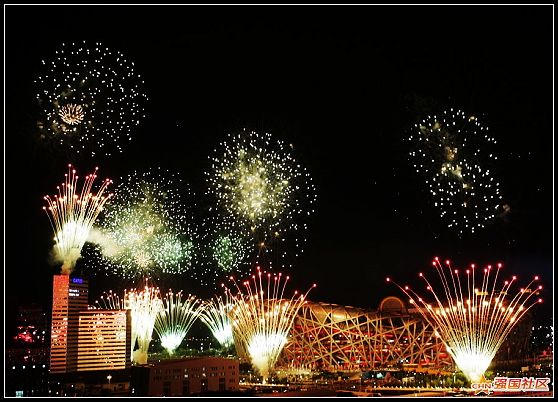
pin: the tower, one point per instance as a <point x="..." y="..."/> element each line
<point x="69" y="297"/>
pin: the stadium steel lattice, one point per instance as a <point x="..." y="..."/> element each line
<point x="337" y="338"/>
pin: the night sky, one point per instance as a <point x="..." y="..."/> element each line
<point x="344" y="85"/>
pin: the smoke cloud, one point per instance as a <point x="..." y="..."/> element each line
<point x="108" y="247"/>
<point x="68" y="259"/>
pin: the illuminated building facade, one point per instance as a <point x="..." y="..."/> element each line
<point x="337" y="338"/>
<point x="179" y="377"/>
<point x="84" y="339"/>
<point x="69" y="298"/>
<point x="104" y="338"/>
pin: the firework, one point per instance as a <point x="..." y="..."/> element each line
<point x="148" y="230"/>
<point x="262" y="318"/>
<point x="452" y="150"/>
<point x="259" y="185"/>
<point x="90" y="99"/>
<point x="71" y="114"/>
<point x="215" y="314"/>
<point x="144" y="306"/>
<point x="175" y="319"/>
<point x="471" y="320"/>
<point x="111" y="301"/>
<point x="225" y="249"/>
<point x="228" y="251"/>
<point x="72" y="213"/>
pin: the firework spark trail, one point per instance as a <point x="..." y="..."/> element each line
<point x="472" y="328"/>
<point x="453" y="151"/>
<point x="144" y="306"/>
<point x="259" y="185"/>
<point x="175" y="319"/>
<point x="215" y="314"/>
<point x="148" y="228"/>
<point x="262" y="319"/>
<point x="89" y="97"/>
<point x="111" y="301"/>
<point x="72" y="213"/>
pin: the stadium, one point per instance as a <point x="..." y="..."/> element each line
<point x="334" y="338"/>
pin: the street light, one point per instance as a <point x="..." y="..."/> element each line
<point x="109" y="377"/>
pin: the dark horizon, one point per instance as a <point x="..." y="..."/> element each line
<point x="344" y="85"/>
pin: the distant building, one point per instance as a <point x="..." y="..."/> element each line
<point x="542" y="339"/>
<point x="91" y="383"/>
<point x="26" y="371"/>
<point x="27" y="357"/>
<point x="197" y="342"/>
<point x="181" y="377"/>
<point x="31" y="325"/>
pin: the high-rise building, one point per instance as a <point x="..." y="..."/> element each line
<point x="69" y="297"/>
<point x="104" y="339"/>
<point x="84" y="339"/>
